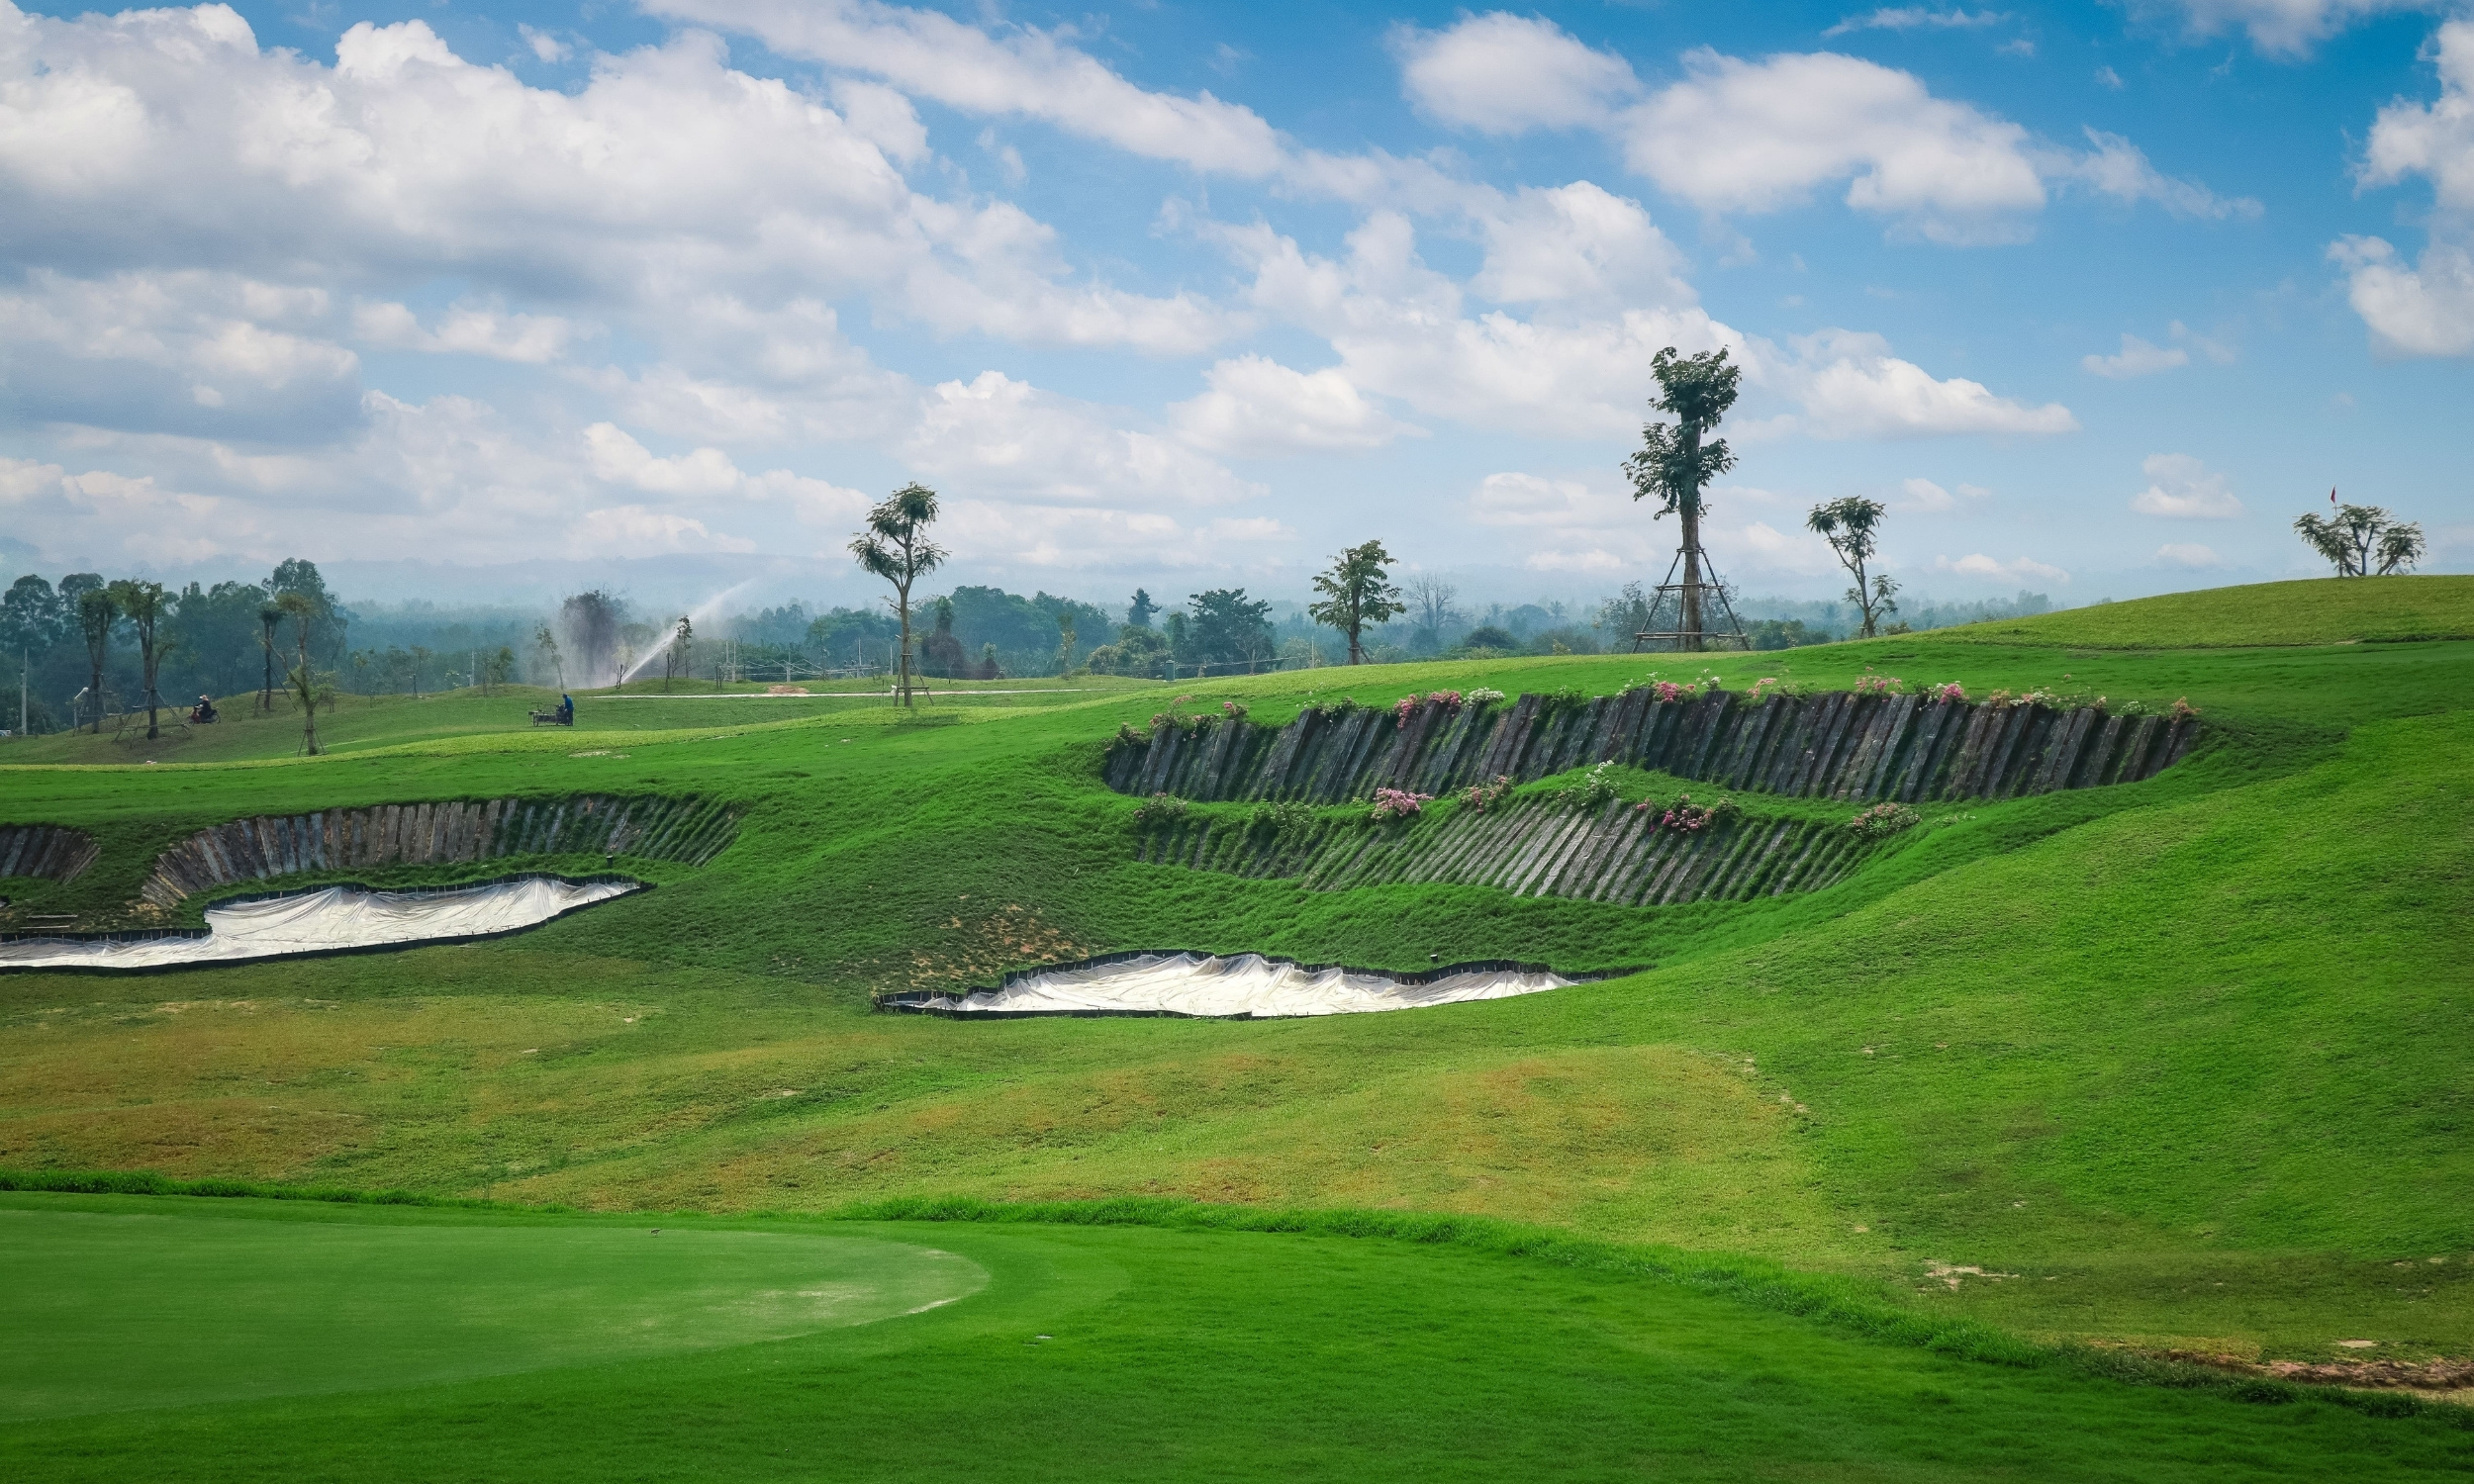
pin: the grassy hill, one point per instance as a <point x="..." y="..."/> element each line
<point x="2380" y="610"/>
<point x="2172" y="1067"/>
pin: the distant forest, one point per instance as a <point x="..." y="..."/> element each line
<point x="236" y="640"/>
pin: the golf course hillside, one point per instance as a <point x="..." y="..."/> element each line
<point x="2039" y="1048"/>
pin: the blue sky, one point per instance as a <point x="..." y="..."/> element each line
<point x="2095" y="298"/>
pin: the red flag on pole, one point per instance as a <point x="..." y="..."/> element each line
<point x="2331" y="494"/>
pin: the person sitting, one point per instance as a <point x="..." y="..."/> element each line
<point x="205" y="711"/>
<point x="566" y="710"/>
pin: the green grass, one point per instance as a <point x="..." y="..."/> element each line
<point x="147" y="1304"/>
<point x="1090" y="1352"/>
<point x="358" y="723"/>
<point x="2187" y="1057"/>
<point x="2385" y="609"/>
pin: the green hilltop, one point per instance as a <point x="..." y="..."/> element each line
<point x="2172" y="1068"/>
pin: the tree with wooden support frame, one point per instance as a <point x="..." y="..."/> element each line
<point x="1676" y="464"/>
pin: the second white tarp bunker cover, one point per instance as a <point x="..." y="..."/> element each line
<point x="1247" y="984"/>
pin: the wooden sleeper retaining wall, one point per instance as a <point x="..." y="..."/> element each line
<point x="51" y="850"/>
<point x="447" y="832"/>
<point x="1839" y="745"/>
<point x="1531" y="847"/>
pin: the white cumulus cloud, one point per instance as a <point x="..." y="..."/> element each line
<point x="1256" y="406"/>
<point x="2182" y="488"/>
<point x="2137" y="358"/>
<point x="2118" y="168"/>
<point x="1503" y="73"/>
<point x="1740" y="135"/>
<point x="2288" y="28"/>
<point x="2017" y="569"/>
<point x="1852" y="387"/>
<point x="466" y="330"/>
<point x="1926" y="498"/>
<point x="2427" y="308"/>
<point x="1913" y="17"/>
<point x="2423" y="310"/>
<point x="1009" y="435"/>
<point x="1013" y="69"/>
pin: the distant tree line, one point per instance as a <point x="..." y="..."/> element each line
<point x="90" y="650"/>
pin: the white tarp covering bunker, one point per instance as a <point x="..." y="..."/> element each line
<point x="1239" y="986"/>
<point x="333" y="919"/>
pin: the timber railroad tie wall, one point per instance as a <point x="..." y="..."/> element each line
<point x="1838" y="745"/>
<point x="1532" y="847"/>
<point x="449" y="832"/>
<point x="51" y="850"/>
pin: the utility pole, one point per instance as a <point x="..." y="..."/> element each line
<point x="23" y="667"/>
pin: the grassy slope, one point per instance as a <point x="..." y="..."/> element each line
<point x="360" y="722"/>
<point x="2324" y="610"/>
<point x="2190" y="1050"/>
<point x="1110" y="1353"/>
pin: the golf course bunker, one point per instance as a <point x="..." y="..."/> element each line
<point x="331" y="920"/>
<point x="166" y="1302"/>
<point x="1242" y="986"/>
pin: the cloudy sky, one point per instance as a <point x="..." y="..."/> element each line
<point x="2096" y="297"/>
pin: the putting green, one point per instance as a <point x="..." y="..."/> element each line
<point x="198" y="1302"/>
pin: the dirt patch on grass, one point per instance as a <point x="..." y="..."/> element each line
<point x="2439" y="1375"/>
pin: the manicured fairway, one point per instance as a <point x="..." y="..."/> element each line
<point x="2171" y="1067"/>
<point x="1091" y="1354"/>
<point x="159" y="1303"/>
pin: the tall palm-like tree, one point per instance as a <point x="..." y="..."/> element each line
<point x="146" y="605"/>
<point x="303" y="680"/>
<point x="268" y="615"/>
<point x="96" y="614"/>
<point x="895" y="547"/>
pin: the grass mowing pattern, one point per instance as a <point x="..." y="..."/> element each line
<point x="172" y="1306"/>
<point x="1134" y="1353"/>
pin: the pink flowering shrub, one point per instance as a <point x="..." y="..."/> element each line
<point x="1878" y="684"/>
<point x="1944" y="695"/>
<point x="1232" y="711"/>
<point x="1397" y="803"/>
<point x="1883" y="821"/>
<point x="2183" y="711"/>
<point x="1761" y="689"/>
<point x="1688" y="816"/>
<point x="1406" y="707"/>
<point x="1479" y="796"/>
<point x="2032" y="697"/>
